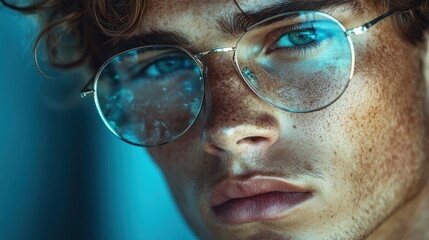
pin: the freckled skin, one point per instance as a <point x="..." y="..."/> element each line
<point x="364" y="156"/>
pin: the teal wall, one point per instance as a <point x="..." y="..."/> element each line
<point x="62" y="174"/>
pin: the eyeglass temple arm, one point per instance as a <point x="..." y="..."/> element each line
<point x="86" y="91"/>
<point x="363" y="28"/>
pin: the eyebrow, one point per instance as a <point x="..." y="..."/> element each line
<point x="155" y="36"/>
<point x="238" y="23"/>
<point x="234" y="24"/>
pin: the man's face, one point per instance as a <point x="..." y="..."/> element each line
<point x="248" y="170"/>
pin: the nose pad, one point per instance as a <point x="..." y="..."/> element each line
<point x="236" y="120"/>
<point x="251" y="77"/>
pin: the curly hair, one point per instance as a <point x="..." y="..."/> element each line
<point x="82" y="27"/>
<point x="88" y="27"/>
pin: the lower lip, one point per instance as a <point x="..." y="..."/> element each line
<point x="267" y="206"/>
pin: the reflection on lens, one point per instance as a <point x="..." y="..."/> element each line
<point x="151" y="95"/>
<point x="299" y="62"/>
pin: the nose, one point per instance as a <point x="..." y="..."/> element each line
<point x="237" y="138"/>
<point x="236" y="120"/>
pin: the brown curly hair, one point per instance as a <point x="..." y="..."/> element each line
<point x="88" y="27"/>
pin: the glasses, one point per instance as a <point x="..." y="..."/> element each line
<point x="298" y="61"/>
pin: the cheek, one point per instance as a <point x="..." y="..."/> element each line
<point x="181" y="157"/>
<point x="184" y="162"/>
<point x="385" y="121"/>
<point x="181" y="163"/>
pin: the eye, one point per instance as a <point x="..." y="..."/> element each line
<point x="303" y="38"/>
<point x="166" y="65"/>
<point x="297" y="38"/>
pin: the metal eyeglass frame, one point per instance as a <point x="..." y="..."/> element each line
<point x="86" y="91"/>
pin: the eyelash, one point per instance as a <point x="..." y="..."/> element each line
<point x="299" y="50"/>
<point x="143" y="69"/>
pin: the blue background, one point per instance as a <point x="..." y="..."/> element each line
<point x="63" y="175"/>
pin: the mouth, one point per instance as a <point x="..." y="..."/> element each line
<point x="238" y="201"/>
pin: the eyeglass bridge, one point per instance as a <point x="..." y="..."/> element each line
<point x="216" y="50"/>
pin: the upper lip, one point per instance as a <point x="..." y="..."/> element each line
<point x="237" y="187"/>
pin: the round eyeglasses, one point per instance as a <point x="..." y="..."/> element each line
<point x="299" y="62"/>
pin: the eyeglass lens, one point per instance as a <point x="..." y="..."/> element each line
<point x="150" y="96"/>
<point x="299" y="62"/>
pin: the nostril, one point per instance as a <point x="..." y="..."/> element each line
<point x="223" y="139"/>
<point x="212" y="149"/>
<point x="255" y="140"/>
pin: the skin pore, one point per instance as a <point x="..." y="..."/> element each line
<point x="364" y="158"/>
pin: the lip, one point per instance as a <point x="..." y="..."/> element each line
<point x="237" y="201"/>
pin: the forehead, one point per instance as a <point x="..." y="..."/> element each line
<point x="167" y="12"/>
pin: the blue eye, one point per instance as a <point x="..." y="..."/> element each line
<point x="304" y="38"/>
<point x="167" y="65"/>
<point x="297" y="38"/>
